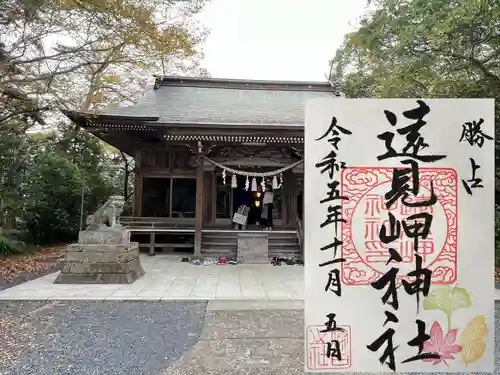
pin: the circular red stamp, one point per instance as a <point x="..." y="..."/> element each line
<point x="366" y="212"/>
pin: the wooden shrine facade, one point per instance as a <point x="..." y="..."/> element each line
<point x="178" y="129"/>
<point x="184" y="168"/>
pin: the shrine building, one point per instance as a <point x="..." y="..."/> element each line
<point x="201" y="145"/>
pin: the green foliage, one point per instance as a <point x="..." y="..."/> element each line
<point x="72" y="54"/>
<point x="106" y="47"/>
<point x="43" y="177"/>
<point x="10" y="244"/>
<point x="423" y="48"/>
<point x="60" y="174"/>
<point x="14" y="156"/>
<point x="497" y="238"/>
<point x="55" y="192"/>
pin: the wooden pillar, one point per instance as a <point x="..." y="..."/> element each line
<point x="137" y="206"/>
<point x="198" y="221"/>
<point x="293" y="200"/>
<point x="152" y="244"/>
<point x="137" y="198"/>
<point x="289" y="198"/>
<point x="208" y="196"/>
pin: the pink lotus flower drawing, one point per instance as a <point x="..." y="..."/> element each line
<point x="444" y="346"/>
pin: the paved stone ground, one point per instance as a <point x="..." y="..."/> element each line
<point x="246" y="337"/>
<point x="252" y="338"/>
<point x="95" y="337"/>
<point x="167" y="278"/>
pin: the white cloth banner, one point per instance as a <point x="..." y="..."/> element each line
<point x="399" y="235"/>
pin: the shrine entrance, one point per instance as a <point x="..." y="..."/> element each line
<point x="229" y="198"/>
<point x="252" y="199"/>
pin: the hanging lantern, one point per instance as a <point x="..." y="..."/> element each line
<point x="254" y="184"/>
<point x="275" y="182"/>
<point x="223" y="176"/>
<point x="281" y="181"/>
<point x="234" y="182"/>
<point x="247" y="184"/>
<point x="263" y="184"/>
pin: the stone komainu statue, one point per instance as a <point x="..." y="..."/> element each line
<point x="108" y="215"/>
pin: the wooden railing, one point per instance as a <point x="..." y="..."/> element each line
<point x="178" y="235"/>
<point x="300" y="235"/>
<point x="155" y="222"/>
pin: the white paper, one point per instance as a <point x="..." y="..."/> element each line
<point x="459" y="249"/>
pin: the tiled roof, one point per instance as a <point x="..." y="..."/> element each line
<point x="191" y="101"/>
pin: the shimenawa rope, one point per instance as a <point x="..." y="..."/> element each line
<point x="254" y="174"/>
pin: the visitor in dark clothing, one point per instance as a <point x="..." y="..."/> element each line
<point x="268" y="201"/>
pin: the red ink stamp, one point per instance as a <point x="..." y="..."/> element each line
<point x="316" y="353"/>
<point x="366" y="212"/>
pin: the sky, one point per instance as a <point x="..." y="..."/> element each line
<point x="276" y="39"/>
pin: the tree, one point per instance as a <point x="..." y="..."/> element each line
<point x="424" y="48"/>
<point x="59" y="175"/>
<point x="419" y="48"/>
<point x="83" y="53"/>
<point x="77" y="54"/>
<point x="15" y="149"/>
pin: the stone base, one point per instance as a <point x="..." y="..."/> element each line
<point x="99" y="278"/>
<point x="114" y="260"/>
<point x="253" y="248"/>
<point x="104" y="236"/>
<point x="101" y="267"/>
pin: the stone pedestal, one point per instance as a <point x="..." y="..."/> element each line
<point x="101" y="256"/>
<point x="253" y="248"/>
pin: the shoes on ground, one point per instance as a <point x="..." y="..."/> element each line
<point x="210" y="261"/>
<point x="222" y="261"/>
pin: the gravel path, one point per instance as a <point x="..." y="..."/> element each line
<point x="95" y="337"/>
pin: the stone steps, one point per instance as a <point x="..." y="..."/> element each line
<point x="224" y="243"/>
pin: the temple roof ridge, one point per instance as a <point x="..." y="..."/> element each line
<point x="241" y="83"/>
<point x="200" y="100"/>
